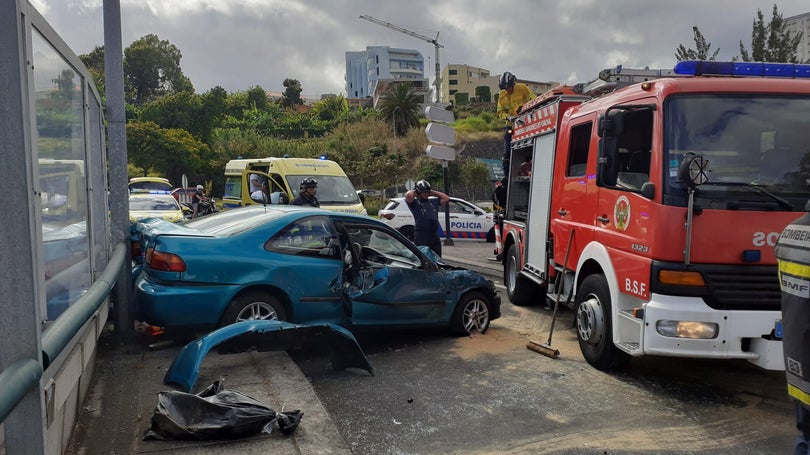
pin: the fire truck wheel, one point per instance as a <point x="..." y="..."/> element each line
<point x="471" y="314"/>
<point x="519" y="289"/>
<point x="593" y="320"/>
<point x="407" y="231"/>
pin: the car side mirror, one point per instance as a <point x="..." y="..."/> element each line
<point x="259" y="196"/>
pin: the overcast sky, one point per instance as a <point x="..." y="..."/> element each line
<point x="238" y="44"/>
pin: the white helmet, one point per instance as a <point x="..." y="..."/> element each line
<point x="200" y="188"/>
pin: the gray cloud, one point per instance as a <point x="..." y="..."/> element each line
<point x="239" y="44"/>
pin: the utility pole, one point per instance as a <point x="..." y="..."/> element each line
<point x="435" y="41"/>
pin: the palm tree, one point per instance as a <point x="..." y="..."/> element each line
<point x="399" y="106"/>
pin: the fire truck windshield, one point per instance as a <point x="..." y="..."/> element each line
<point x="757" y="147"/>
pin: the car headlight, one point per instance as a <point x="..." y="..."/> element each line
<point x="687" y="329"/>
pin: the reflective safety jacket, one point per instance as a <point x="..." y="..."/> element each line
<point x="508" y="104"/>
<point x="793" y="256"/>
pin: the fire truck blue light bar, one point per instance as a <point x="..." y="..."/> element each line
<point x="760" y="69"/>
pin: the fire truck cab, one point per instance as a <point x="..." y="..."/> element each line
<point x="650" y="201"/>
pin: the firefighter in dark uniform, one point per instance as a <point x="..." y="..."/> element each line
<point x="426" y="214"/>
<point x="306" y="194"/>
<point x="793" y="256"/>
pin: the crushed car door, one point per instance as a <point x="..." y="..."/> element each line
<point x="388" y="281"/>
<point x="314" y="263"/>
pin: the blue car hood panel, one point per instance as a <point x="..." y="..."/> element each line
<point x="344" y="350"/>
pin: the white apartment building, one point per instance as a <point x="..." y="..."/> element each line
<point x="800" y="23"/>
<point x="365" y="69"/>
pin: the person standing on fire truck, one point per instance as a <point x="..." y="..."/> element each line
<point x="512" y="97"/>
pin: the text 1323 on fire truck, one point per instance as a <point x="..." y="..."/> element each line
<point x="673" y="186"/>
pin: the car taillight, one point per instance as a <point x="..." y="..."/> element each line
<point x="166" y="262"/>
<point x="388" y="216"/>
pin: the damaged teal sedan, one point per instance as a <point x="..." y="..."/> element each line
<point x="302" y="265"/>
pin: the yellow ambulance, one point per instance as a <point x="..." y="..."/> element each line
<point x="281" y="178"/>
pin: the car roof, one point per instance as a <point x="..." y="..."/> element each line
<point x="454" y="199"/>
<point x="246" y="218"/>
<point x="148" y="179"/>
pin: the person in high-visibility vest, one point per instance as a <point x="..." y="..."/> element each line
<point x="793" y="256"/>
<point x="512" y="97"/>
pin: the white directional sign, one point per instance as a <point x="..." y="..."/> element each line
<point x="440" y="134"/>
<point x="440" y="152"/>
<point x="436" y="114"/>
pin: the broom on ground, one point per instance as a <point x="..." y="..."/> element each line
<point x="545" y="348"/>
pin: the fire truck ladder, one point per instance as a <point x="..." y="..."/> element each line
<point x="611" y="79"/>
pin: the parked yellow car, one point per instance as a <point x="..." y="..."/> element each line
<point x="146" y="205"/>
<point x="149" y="185"/>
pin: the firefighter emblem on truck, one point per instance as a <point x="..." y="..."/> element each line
<point x="621" y="213"/>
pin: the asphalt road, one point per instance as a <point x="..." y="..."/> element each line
<point x="433" y="393"/>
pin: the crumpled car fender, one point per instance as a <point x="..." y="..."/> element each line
<point x="266" y="335"/>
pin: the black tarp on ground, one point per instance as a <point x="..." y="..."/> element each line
<point x="215" y="413"/>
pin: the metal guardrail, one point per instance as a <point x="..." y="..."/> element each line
<point x="19" y="377"/>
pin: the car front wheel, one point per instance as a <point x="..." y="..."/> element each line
<point x="471" y="314"/>
<point x="254" y="306"/>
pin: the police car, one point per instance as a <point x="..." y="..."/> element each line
<point x="467" y="220"/>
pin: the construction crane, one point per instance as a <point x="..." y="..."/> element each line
<point x="434" y="41"/>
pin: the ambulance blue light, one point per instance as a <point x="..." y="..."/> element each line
<point x="757" y="69"/>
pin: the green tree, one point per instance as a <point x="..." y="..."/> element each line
<point x="94" y="61"/>
<point x="292" y="93"/>
<point x="399" y="106"/>
<point x="701" y="50"/>
<point x="257" y="97"/>
<point x="473" y="182"/>
<point x="380" y="167"/>
<point x="331" y="109"/>
<point x="178" y="110"/>
<point x="213" y="111"/>
<point x="152" y="69"/>
<point x="771" y="42"/>
<point x="168" y="152"/>
<point x="483" y="94"/>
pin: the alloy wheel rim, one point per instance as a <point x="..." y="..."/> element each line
<point x="257" y="311"/>
<point x="476" y="316"/>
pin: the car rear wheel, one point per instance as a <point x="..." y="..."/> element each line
<point x="471" y="314"/>
<point x="491" y="235"/>
<point x="254" y="306"/>
<point x="407" y="231"/>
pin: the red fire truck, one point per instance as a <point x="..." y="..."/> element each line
<point x="649" y="202"/>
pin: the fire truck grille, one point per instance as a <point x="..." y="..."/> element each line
<point x="743" y="288"/>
